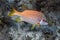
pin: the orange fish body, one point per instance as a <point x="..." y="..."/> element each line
<point x="31" y="16"/>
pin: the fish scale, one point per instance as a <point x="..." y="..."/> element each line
<point x="31" y="16"/>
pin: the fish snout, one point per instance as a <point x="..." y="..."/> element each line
<point x="43" y="22"/>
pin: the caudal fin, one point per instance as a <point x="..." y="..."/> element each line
<point x="14" y="12"/>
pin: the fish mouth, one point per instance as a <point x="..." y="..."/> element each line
<point x="46" y="23"/>
<point x="43" y="23"/>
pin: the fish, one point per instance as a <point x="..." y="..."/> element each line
<point x="31" y="16"/>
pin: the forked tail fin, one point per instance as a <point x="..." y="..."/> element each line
<point x="14" y="12"/>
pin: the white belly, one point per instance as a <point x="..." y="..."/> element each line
<point x="31" y="21"/>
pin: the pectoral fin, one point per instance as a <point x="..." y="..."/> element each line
<point x="33" y="26"/>
<point x="38" y="24"/>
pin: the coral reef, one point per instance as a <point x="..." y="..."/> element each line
<point x="11" y="29"/>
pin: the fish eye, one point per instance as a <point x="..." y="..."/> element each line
<point x="44" y="20"/>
